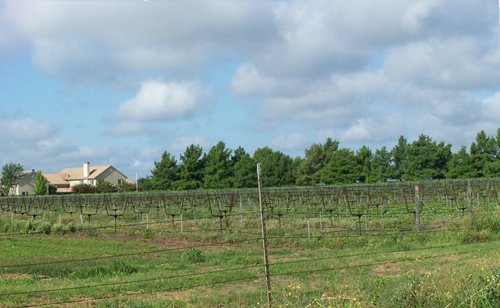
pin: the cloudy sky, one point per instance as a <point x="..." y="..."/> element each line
<point x="120" y="81"/>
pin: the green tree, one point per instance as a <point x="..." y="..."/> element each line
<point x="459" y="166"/>
<point x="380" y="166"/>
<point x="426" y="160"/>
<point x="244" y="169"/>
<point x="482" y="153"/>
<point x="295" y="168"/>
<point x="165" y="172"/>
<point x="316" y="157"/>
<point x="398" y="154"/>
<point x="364" y="159"/>
<point x="84" y="189"/>
<point x="498" y="143"/>
<point x="277" y="168"/>
<point x="191" y="169"/>
<point x="492" y="168"/>
<point x="104" y="187"/>
<point x="218" y="171"/>
<point x="145" y="184"/>
<point x="125" y="186"/>
<point x="41" y="185"/>
<point x="342" y="168"/>
<point x="10" y="172"/>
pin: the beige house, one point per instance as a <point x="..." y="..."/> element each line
<point x="24" y="184"/>
<point x="67" y="178"/>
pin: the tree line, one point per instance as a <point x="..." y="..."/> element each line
<point x="324" y="163"/>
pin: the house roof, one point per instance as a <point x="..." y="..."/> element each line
<point x="24" y="176"/>
<point x="55" y="179"/>
<point x="70" y="174"/>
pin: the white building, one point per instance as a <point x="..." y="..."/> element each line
<point x="24" y="184"/>
<point x="67" y="178"/>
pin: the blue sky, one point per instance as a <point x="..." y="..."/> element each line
<point x="119" y="82"/>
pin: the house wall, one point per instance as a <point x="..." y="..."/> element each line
<point x="112" y="176"/>
<point x="25" y="187"/>
<point x="84" y="181"/>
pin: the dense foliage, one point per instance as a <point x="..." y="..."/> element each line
<point x="10" y="173"/>
<point x="327" y="163"/>
<point x="41" y="185"/>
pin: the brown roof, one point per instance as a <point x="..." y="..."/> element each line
<point x="69" y="174"/>
<point x="55" y="179"/>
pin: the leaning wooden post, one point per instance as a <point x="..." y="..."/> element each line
<point x="417" y="208"/>
<point x="264" y="242"/>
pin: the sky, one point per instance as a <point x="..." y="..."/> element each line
<point x="121" y="81"/>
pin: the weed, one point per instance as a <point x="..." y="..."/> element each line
<point x="148" y="234"/>
<point x="115" y="268"/>
<point x="194" y="255"/>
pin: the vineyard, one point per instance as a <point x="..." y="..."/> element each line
<point x="399" y="244"/>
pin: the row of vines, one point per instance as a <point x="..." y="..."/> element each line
<point x="321" y="206"/>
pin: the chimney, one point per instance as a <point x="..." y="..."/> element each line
<point x="86" y="168"/>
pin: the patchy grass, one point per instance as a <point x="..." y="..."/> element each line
<point x="457" y="264"/>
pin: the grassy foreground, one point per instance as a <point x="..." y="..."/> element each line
<point x="455" y="267"/>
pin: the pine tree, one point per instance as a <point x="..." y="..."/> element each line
<point x="218" y="173"/>
<point x="191" y="169"/>
<point x="165" y="172"/>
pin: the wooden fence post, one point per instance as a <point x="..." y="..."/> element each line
<point x="417" y="208"/>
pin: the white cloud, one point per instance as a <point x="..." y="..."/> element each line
<point x="291" y="142"/>
<point x="378" y="129"/>
<point x="179" y="144"/>
<point x="84" y="153"/>
<point x="24" y="130"/>
<point x="359" y="131"/>
<point x="123" y="35"/>
<point x="127" y="128"/>
<point x="53" y="147"/>
<point x="366" y="70"/>
<point x="491" y="108"/>
<point x="431" y="58"/>
<point x="456" y="63"/>
<point x="156" y="101"/>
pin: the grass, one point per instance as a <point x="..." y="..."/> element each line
<point x="454" y="261"/>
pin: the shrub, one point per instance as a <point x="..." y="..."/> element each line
<point x="84" y="189"/>
<point x="58" y="228"/>
<point x="71" y="227"/>
<point x="148" y="234"/>
<point x="42" y="227"/>
<point x="115" y="268"/>
<point x="105" y="187"/>
<point x="194" y="255"/>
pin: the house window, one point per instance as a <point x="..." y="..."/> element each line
<point x="120" y="181"/>
<point x="24" y="193"/>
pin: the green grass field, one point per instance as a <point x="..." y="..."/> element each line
<point x="454" y="262"/>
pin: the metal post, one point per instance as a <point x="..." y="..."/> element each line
<point x="264" y="241"/>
